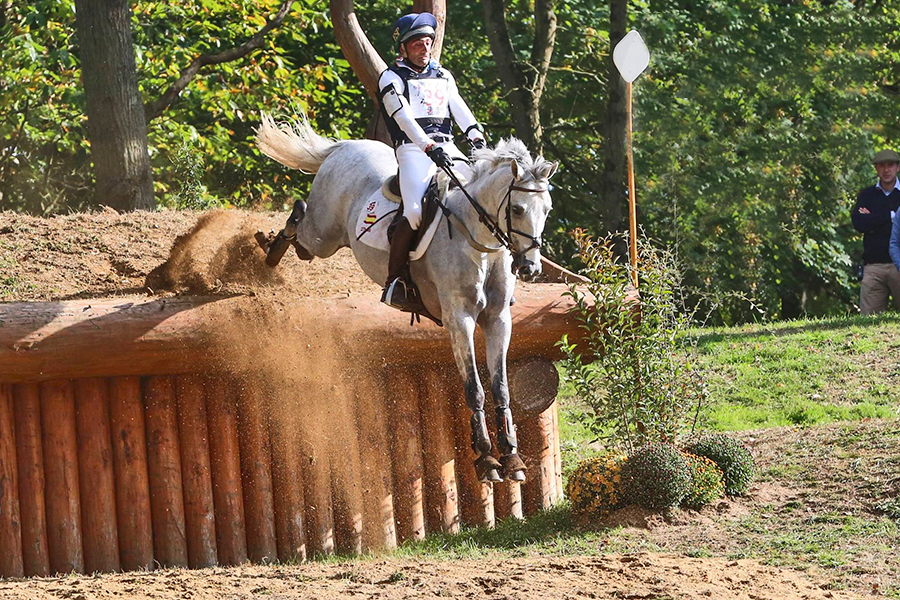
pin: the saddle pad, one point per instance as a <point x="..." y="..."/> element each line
<point x="374" y="218"/>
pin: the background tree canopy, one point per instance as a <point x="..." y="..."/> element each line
<point x="755" y="123"/>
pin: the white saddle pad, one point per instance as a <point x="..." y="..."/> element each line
<point x="374" y="218"/>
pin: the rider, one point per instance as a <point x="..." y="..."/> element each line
<point x="417" y="98"/>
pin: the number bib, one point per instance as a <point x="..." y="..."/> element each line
<point x="429" y="97"/>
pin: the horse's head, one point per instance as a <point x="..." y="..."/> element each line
<point x="527" y="206"/>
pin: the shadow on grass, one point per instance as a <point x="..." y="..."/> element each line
<point x="777" y="330"/>
<point x="551" y="526"/>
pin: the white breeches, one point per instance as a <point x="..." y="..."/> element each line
<point x="416" y="171"/>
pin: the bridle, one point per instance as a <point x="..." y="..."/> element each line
<point x="504" y="238"/>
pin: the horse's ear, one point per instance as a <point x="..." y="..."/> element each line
<point x="514" y="167"/>
<point x="548" y="169"/>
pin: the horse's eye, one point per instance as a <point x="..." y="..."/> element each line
<point x="518" y="210"/>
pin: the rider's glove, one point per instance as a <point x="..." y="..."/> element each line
<point x="439" y="157"/>
<point x="478" y="144"/>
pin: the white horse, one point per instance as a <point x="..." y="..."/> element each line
<point x="465" y="277"/>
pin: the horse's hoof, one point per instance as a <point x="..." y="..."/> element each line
<point x="488" y="469"/>
<point x="512" y="467"/>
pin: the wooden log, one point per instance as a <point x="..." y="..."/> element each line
<point x="199" y="513"/>
<point x="287" y="481"/>
<point x="536" y="446"/>
<point x="379" y="529"/>
<point x="11" y="561"/>
<point x="164" y="472"/>
<point x="317" y="491"/>
<point x="63" y="503"/>
<point x="225" y="465"/>
<point x="95" y="470"/>
<point x="476" y="499"/>
<point x="129" y="446"/>
<point x="32" y="507"/>
<point x="153" y="336"/>
<point x="402" y="402"/>
<point x="256" y="475"/>
<point x="441" y="500"/>
<point x="346" y="474"/>
<point x="557" y="452"/>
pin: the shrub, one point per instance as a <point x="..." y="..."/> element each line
<point x="595" y="486"/>
<point x="634" y="366"/>
<point x="731" y="456"/>
<point x="656" y="476"/>
<point x="707" y="481"/>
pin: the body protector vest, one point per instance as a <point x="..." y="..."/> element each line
<point x="429" y="98"/>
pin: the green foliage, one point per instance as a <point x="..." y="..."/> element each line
<point x="643" y="379"/>
<point x="707" y="481"/>
<point x="656" y="476"/>
<point x="735" y="461"/>
<point x="595" y="487"/>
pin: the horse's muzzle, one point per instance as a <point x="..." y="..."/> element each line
<point x="528" y="269"/>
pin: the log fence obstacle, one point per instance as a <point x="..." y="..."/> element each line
<point x="126" y="443"/>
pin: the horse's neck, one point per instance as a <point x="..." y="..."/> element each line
<point x="488" y="191"/>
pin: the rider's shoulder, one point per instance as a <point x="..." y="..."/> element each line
<point x="388" y="77"/>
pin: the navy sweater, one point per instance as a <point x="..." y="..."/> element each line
<point x="875" y="226"/>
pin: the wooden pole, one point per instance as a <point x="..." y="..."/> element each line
<point x="225" y="465"/>
<point x="164" y="471"/>
<point x="632" y="201"/>
<point x="11" y="562"/>
<point x="402" y="403"/>
<point x="129" y="444"/>
<point x="441" y="504"/>
<point x="199" y="513"/>
<point x="287" y="481"/>
<point x="61" y="472"/>
<point x="32" y="507"/>
<point x="95" y="466"/>
<point x="346" y="474"/>
<point x="256" y="475"/>
<point x="536" y="447"/>
<point x="379" y="530"/>
<point x="557" y="451"/>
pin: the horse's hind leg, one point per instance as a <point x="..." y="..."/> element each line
<point x="275" y="245"/>
<point x="497" y="331"/>
<point x="462" y="330"/>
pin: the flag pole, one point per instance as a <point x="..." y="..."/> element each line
<point x="632" y="201"/>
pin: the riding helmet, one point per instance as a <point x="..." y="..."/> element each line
<point x="411" y="26"/>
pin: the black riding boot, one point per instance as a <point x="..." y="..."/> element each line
<point x="399" y="291"/>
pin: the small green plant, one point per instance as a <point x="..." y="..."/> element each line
<point x="595" y="486"/>
<point x="731" y="456"/>
<point x="707" y="481"/>
<point x="642" y="381"/>
<point x="656" y="476"/>
<point x="188" y="166"/>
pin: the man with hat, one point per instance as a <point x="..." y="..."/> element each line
<point x="872" y="216"/>
<point x="418" y="97"/>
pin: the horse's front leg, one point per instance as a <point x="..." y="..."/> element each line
<point x="461" y="326"/>
<point x="497" y="331"/>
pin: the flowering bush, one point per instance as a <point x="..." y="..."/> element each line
<point x="656" y="476"/>
<point x="707" y="481"/>
<point x="595" y="486"/>
<point x="731" y="456"/>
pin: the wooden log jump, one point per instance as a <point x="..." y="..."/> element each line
<point x="126" y="440"/>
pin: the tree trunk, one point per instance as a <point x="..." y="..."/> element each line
<point x="614" y="175"/>
<point x="116" y="124"/>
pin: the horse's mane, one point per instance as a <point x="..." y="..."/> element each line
<point x="506" y="151"/>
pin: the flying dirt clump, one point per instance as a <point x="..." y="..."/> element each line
<point x="218" y="255"/>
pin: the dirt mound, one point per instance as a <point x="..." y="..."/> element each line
<point x="101" y="254"/>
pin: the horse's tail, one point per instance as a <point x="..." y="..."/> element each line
<point x="295" y="145"/>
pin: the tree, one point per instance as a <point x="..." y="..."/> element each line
<point x="524" y="80"/>
<point x="116" y="122"/>
<point x="613" y="179"/>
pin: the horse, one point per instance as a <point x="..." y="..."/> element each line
<point x="467" y="274"/>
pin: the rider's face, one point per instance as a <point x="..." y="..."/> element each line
<point x="418" y="51"/>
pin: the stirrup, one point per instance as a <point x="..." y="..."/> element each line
<point x="400" y="295"/>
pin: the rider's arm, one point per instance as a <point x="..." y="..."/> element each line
<point x="397" y="107"/>
<point x="461" y="113"/>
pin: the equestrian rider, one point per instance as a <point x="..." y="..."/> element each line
<point x="418" y="97"/>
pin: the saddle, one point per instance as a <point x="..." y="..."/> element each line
<point x="430" y="204"/>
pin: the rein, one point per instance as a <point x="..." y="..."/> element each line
<point x="504" y="238"/>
